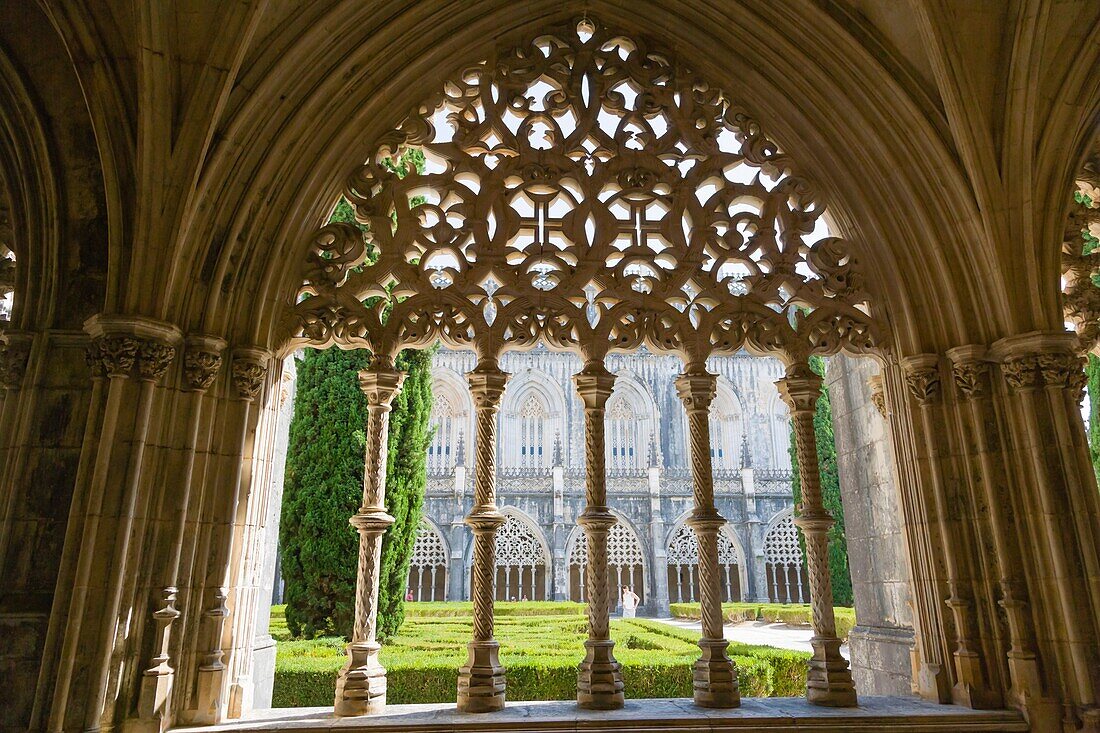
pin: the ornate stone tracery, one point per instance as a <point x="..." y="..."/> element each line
<point x="428" y="564"/>
<point x="1081" y="258"/>
<point x="587" y="191"/>
<point x="785" y="563"/>
<point x="682" y="556"/>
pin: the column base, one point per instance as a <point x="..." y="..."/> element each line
<point x="600" y="678"/>
<point x="971" y="689"/>
<point x="714" y="676"/>
<point x="208" y="708"/>
<point x="481" y="681"/>
<point x="829" y="681"/>
<point x="361" y="683"/>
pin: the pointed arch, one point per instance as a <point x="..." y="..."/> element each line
<point x="451" y="421"/>
<point x="778" y="418"/>
<point x="532" y="415"/>
<point x="630" y="424"/>
<point x="787" y="579"/>
<point x="523" y="558"/>
<point x="682" y="559"/>
<point x="428" y="563"/>
<point x="627" y="559"/>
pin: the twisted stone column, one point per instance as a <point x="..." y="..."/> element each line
<point x="600" y="677"/>
<point x="829" y="681"/>
<point x="481" y="683"/>
<point x="361" y="683"/>
<point x="715" y="675"/>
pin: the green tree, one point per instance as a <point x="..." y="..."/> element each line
<point x="839" y="572"/>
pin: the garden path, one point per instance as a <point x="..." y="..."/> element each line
<point x="781" y="636"/>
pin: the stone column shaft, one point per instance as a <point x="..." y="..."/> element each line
<point x="714" y="675"/>
<point x="481" y="682"/>
<point x="361" y="683"/>
<point x="599" y="679"/>
<point x="829" y="681"/>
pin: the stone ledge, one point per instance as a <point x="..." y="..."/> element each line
<point x="878" y="714"/>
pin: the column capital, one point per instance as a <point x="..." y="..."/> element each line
<point x="249" y="370"/>
<point x="15" y="351"/>
<point x="202" y="359"/>
<point x="380" y="384"/>
<point x="922" y="377"/>
<point x="696" y="388"/>
<point x="800" y="388"/>
<point x="594" y="384"/>
<point x="487" y="383"/>
<point x="121" y="342"/>
<point x="970" y="370"/>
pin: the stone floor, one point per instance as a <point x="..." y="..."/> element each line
<point x="877" y="714"/>
<point x="781" y="636"/>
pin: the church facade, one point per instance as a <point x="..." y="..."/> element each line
<point x="540" y="483"/>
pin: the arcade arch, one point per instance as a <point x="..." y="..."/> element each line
<point x="625" y="560"/>
<point x="428" y="564"/>
<point x="783" y="560"/>
<point x="684" y="580"/>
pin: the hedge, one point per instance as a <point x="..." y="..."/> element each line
<point x="459" y="609"/>
<point x="539" y="652"/>
<point x="795" y="614"/>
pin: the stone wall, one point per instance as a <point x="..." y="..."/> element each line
<point x="881" y="641"/>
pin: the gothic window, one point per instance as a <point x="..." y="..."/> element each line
<point x="624" y="561"/>
<point x="682" y="557"/>
<point x="787" y="579"/>
<point x="533" y="444"/>
<point x="442" y="450"/>
<point x="428" y="565"/>
<point x="725" y="431"/>
<point x="521" y="562"/>
<point x="625" y="447"/>
<point x="779" y="420"/>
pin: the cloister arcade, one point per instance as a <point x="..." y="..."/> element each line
<point x="601" y="177"/>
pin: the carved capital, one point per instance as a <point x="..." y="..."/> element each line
<point x="118" y="354"/>
<point x="594" y="385"/>
<point x="154" y="358"/>
<point x="249" y="370"/>
<point x="13" y="363"/>
<point x="201" y="368"/>
<point x="487" y="385"/>
<point x="380" y="384"/>
<point x="1062" y="370"/>
<point x="922" y="377"/>
<point x="800" y="389"/>
<point x="696" y="389"/>
<point x="878" y="394"/>
<point x="1022" y="372"/>
<point x="971" y="378"/>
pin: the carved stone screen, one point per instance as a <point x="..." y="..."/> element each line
<point x="683" y="567"/>
<point x="428" y="565"/>
<point x="787" y="581"/>
<point x="521" y="561"/>
<point x="625" y="564"/>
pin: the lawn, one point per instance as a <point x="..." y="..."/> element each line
<point x="541" y="645"/>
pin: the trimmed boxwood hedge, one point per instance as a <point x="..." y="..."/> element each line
<point x="539" y="651"/>
<point x="794" y="614"/>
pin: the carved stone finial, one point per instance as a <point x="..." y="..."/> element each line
<point x="249" y="374"/>
<point x="460" y="449"/>
<point x="557" y="453"/>
<point x="746" y="453"/>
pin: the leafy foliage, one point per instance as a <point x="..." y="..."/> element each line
<point x="839" y="572"/>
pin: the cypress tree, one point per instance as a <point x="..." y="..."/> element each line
<point x="839" y="572"/>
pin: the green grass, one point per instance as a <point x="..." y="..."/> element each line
<point x="795" y="614"/>
<point x="539" y="649"/>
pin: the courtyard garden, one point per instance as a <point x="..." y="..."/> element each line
<point x="540" y="646"/>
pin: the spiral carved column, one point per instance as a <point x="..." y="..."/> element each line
<point x="361" y="683"/>
<point x="600" y="677"/>
<point x="715" y="674"/>
<point x="829" y="681"/>
<point x="481" y="683"/>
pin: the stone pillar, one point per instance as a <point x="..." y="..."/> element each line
<point x="882" y="643"/>
<point x="456" y="570"/>
<point x="202" y="362"/>
<point x="829" y="682"/>
<point x="481" y="682"/>
<point x="361" y="683"/>
<point x="715" y="675"/>
<point x="659" y="556"/>
<point x="599" y="680"/>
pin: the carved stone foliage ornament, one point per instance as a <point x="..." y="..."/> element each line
<point x="586" y="190"/>
<point x="971" y="378"/>
<point x="248" y="376"/>
<point x="923" y="383"/>
<point x="201" y="368"/>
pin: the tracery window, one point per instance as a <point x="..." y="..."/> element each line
<point x="521" y="562"/>
<point x="624" y="561"/>
<point x="787" y="579"/>
<point x="779" y="425"/>
<point x="532" y="432"/>
<point x="428" y="565"/>
<point x="447" y="425"/>
<point x="625" y="435"/>
<point x="682" y="557"/>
